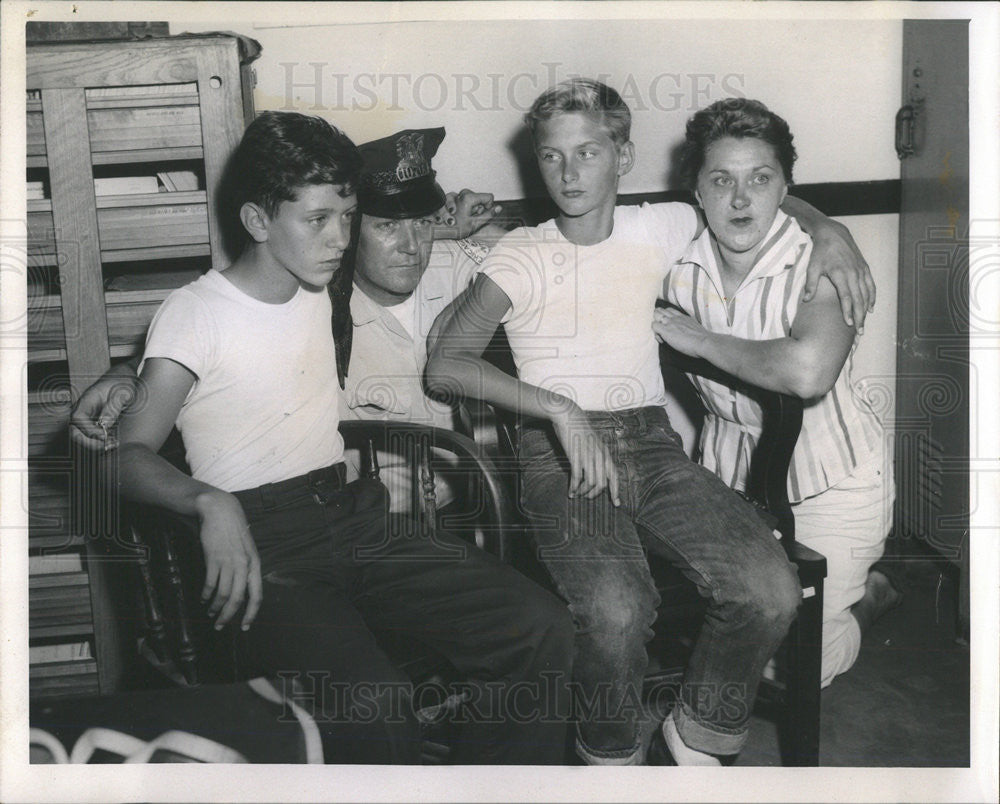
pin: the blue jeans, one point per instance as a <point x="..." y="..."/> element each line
<point x="337" y="572"/>
<point x="596" y="555"/>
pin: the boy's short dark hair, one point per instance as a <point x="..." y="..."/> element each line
<point x="584" y="95"/>
<point x="283" y="151"/>
<point x="734" y="117"/>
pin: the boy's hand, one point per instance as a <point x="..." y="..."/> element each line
<point x="836" y="255"/>
<point x="99" y="409"/>
<point x="679" y="330"/>
<point x="232" y="567"/>
<point x="466" y="213"/>
<point x="592" y="469"/>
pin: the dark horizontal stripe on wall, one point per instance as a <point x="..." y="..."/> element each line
<point x="836" y="199"/>
<point x="842" y="198"/>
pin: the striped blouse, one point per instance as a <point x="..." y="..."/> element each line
<point x="839" y="430"/>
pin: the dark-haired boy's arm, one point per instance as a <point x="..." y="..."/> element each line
<point x="232" y="567"/>
<point x="456" y="368"/>
<point x="836" y="256"/>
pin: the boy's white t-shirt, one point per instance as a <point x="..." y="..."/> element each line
<point x="580" y="322"/>
<point x="265" y="405"/>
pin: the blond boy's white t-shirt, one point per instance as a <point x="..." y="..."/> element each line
<point x="265" y="405"/>
<point x="580" y="322"/>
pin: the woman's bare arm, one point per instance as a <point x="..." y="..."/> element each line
<point x="805" y="364"/>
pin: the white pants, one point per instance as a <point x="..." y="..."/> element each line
<point x="848" y="523"/>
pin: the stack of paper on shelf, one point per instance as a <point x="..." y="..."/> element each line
<point x="126" y="185"/>
<point x="68" y="652"/>
<point x="61" y="562"/>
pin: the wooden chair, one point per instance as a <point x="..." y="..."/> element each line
<point x="797" y="696"/>
<point x="179" y="639"/>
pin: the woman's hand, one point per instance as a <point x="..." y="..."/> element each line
<point x="592" y="469"/>
<point x="232" y="567"/>
<point x="679" y="330"/>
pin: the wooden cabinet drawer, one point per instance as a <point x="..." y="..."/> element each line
<point x="48" y="418"/>
<point x="58" y="604"/>
<point x="131" y="222"/>
<point x="153" y="127"/>
<point x="182" y="221"/>
<point x="49" y="524"/>
<point x="129" y="314"/>
<point x="58" y="679"/>
<point x="41" y="236"/>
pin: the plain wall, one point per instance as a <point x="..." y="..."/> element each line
<point x="837" y="83"/>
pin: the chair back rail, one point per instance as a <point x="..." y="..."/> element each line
<point x="767" y="483"/>
<point x="418" y="442"/>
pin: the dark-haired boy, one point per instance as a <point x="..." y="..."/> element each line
<point x="243" y="360"/>
<point x="604" y="476"/>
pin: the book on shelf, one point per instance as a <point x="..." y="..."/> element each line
<point x="36" y="191"/>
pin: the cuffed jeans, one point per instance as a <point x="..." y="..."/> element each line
<point x="596" y="556"/>
<point x="336" y="569"/>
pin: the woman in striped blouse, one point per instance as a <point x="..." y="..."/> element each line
<point x="735" y="301"/>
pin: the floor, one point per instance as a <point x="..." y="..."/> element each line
<point x="905" y="703"/>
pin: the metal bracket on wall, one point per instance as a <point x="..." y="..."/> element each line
<point x="907" y="116"/>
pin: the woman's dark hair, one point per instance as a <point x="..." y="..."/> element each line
<point x="734" y="117"/>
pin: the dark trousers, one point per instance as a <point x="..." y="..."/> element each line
<point x="337" y="571"/>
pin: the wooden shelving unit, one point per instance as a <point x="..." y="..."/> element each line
<point x="99" y="266"/>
